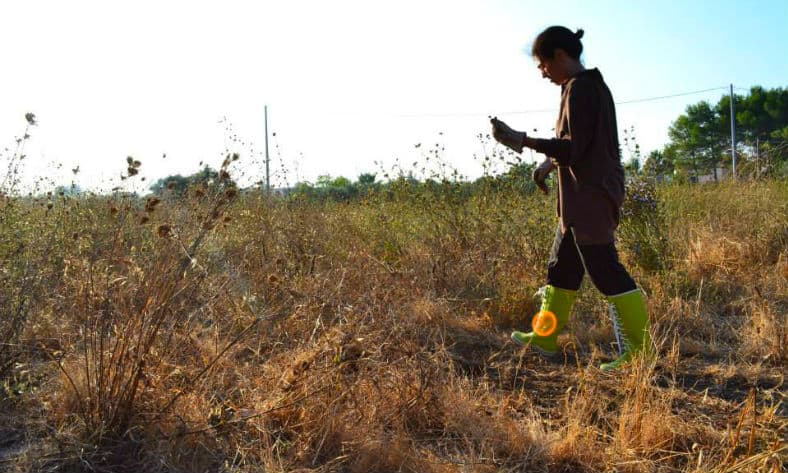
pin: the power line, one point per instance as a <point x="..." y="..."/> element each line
<point x="552" y="110"/>
<point x="661" y="97"/>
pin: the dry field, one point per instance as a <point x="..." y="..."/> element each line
<point x="228" y="331"/>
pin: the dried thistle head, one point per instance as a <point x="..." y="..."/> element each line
<point x="171" y="185"/>
<point x="113" y="210"/>
<point x="199" y="192"/>
<point x="144" y="219"/>
<point x="164" y="231"/>
<point x="151" y="203"/>
<point x="231" y="192"/>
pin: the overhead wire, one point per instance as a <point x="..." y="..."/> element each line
<point x="552" y="110"/>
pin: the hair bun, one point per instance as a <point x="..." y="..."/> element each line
<point x="579" y="33"/>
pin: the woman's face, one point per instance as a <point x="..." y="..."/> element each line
<point x="555" y="68"/>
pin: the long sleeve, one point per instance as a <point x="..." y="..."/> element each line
<point x="581" y="108"/>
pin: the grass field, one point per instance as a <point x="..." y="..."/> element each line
<point x="228" y="331"/>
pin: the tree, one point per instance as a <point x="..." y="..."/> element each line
<point x="178" y="184"/>
<point x="658" y="164"/>
<point x="366" y="179"/>
<point x="632" y="166"/>
<point x="699" y="138"/>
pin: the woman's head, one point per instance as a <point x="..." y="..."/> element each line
<point x="557" y="51"/>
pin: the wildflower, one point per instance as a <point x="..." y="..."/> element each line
<point x="171" y="185"/>
<point x="144" y="219"/>
<point x="224" y="175"/>
<point x="113" y="210"/>
<point x="231" y="192"/>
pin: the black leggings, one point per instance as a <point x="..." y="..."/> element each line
<point x="569" y="262"/>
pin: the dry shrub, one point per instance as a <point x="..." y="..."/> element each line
<point x="482" y="425"/>
<point x="764" y="332"/>
<point x="646" y="423"/>
<point x="710" y="254"/>
<point x="575" y="446"/>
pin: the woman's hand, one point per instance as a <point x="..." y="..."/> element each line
<point x="505" y="135"/>
<point x="540" y="174"/>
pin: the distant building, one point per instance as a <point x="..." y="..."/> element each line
<point x="721" y="173"/>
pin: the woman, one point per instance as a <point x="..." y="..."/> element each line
<point x="587" y="157"/>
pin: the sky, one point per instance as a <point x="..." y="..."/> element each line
<point x="351" y="86"/>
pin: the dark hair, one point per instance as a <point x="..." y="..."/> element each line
<point x="556" y="37"/>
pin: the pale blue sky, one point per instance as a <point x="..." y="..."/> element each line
<point x="347" y="82"/>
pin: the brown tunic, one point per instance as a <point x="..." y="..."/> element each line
<point x="586" y="148"/>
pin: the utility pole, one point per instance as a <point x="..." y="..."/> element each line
<point x="267" y="175"/>
<point x="733" y="135"/>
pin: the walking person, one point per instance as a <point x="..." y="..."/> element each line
<point x="587" y="157"/>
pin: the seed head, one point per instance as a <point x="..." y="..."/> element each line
<point x="151" y="204"/>
<point x="164" y="231"/>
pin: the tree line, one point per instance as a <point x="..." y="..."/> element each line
<point x="699" y="146"/>
<point x="700" y="138"/>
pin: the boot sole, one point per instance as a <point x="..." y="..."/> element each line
<point x="540" y="350"/>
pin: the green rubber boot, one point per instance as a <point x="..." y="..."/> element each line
<point x="559" y="302"/>
<point x="631" y="325"/>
